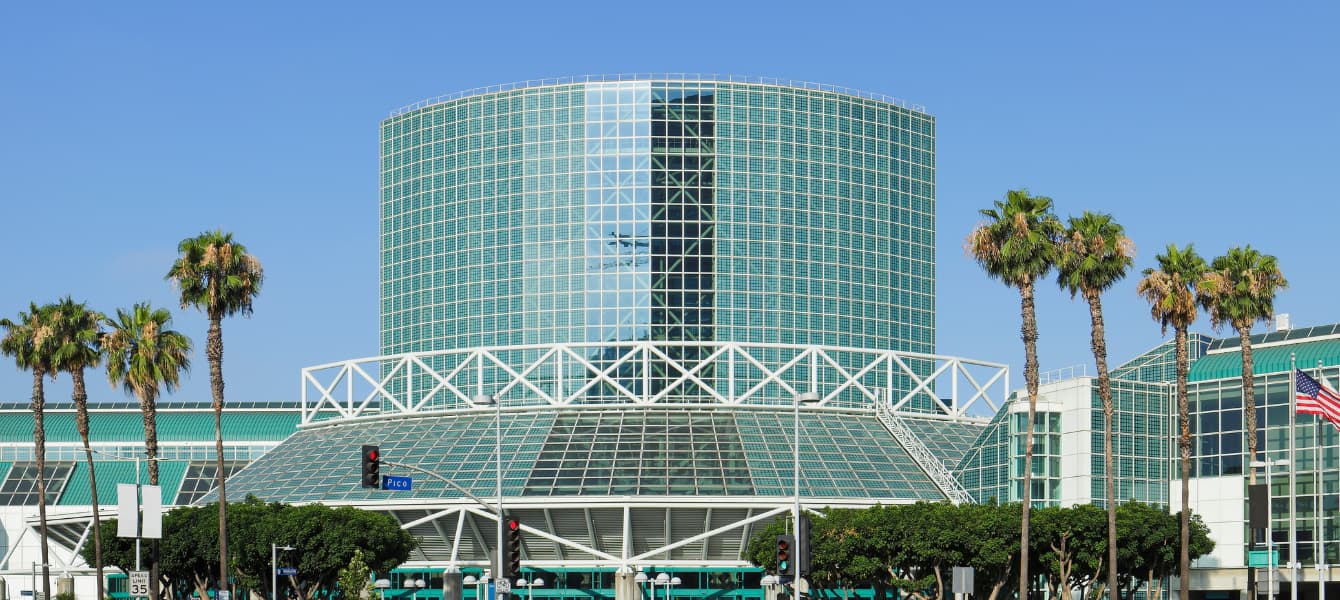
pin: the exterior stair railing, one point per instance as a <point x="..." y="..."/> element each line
<point x="933" y="466"/>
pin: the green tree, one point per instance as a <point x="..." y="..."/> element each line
<point x="1071" y="546"/>
<point x="991" y="545"/>
<point x="1094" y="255"/>
<point x="216" y="275"/>
<point x="78" y="347"/>
<point x="30" y="340"/>
<point x="1239" y="290"/>
<point x="1018" y="245"/>
<point x="326" y="539"/>
<point x="143" y="355"/>
<point x="1150" y="546"/>
<point x="1170" y="290"/>
<point x="353" y="579"/>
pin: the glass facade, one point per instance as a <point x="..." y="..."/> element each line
<point x="658" y="210"/>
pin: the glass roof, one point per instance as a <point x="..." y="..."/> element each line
<point x="627" y="451"/>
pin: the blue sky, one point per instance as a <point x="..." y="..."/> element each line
<point x="125" y="127"/>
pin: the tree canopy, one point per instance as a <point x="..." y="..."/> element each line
<point x="325" y="539"/>
<point x="913" y="547"/>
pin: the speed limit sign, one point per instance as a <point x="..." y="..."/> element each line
<point x="139" y="584"/>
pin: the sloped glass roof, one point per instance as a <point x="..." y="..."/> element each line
<point x="616" y="451"/>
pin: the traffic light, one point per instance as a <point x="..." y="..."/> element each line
<point x="804" y="546"/>
<point x="786" y="546"/>
<point x="372" y="467"/>
<point x="513" y="548"/>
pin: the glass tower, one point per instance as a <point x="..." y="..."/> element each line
<point x="686" y="209"/>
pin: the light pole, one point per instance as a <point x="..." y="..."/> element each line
<point x="538" y="581"/>
<point x="478" y="582"/>
<point x="670" y="586"/>
<point x="35" y="567"/>
<point x="487" y="399"/>
<point x="808" y="398"/>
<point x="663" y="580"/>
<point x="274" y="569"/>
<point x="418" y="585"/>
<point x="641" y="578"/>
<point x="381" y="585"/>
<point x="1270" y="518"/>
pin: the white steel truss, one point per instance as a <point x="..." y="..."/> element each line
<point x="652" y="372"/>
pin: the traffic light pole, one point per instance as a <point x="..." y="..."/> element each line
<point x="449" y="482"/>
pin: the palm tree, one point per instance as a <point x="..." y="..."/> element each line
<point x="1171" y="292"/>
<point x="1094" y="255"/>
<point x="216" y="275"/>
<point x="143" y="355"/>
<point x="29" y="340"/>
<point x="1017" y="245"/>
<point x="77" y="348"/>
<point x="1240" y="290"/>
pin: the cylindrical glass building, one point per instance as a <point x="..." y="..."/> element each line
<point x="646" y="208"/>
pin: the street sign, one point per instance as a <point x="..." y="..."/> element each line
<point x="26" y="593"/>
<point x="1258" y="558"/>
<point x="963" y="580"/>
<point x="503" y="585"/>
<point x="393" y="482"/>
<point x="287" y="571"/>
<point x="223" y="594"/>
<point x="139" y="584"/>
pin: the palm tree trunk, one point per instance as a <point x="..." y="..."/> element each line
<point x="1184" y="416"/>
<point x="1030" y="335"/>
<point x="81" y="422"/>
<point x="1248" y="396"/>
<point x="214" y="351"/>
<point x="40" y="450"/>
<point x="1098" y="343"/>
<point x="149" y="408"/>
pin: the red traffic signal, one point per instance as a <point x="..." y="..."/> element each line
<point x="372" y="467"/>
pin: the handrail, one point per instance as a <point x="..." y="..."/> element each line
<point x="934" y="468"/>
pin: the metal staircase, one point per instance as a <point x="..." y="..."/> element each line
<point x="934" y="468"/>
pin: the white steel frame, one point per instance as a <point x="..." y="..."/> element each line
<point x="355" y="388"/>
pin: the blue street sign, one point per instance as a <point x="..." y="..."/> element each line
<point x="392" y="482"/>
<point x="287" y="571"/>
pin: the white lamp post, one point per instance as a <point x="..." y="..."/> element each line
<point x="808" y="398"/>
<point x="1270" y="518"/>
<point x="418" y="585"/>
<point x="274" y="569"/>
<point x="538" y="581"/>
<point x="662" y="579"/>
<point x="381" y="585"/>
<point x="641" y="578"/>
<point x="478" y="582"/>
<point x="670" y="586"/>
<point x="485" y="400"/>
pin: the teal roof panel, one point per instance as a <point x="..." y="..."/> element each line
<point x="1272" y="359"/>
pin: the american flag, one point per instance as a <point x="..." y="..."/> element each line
<point x="1317" y="398"/>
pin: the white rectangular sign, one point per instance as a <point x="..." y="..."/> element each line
<point x="151" y="498"/>
<point x="139" y="584"/>
<point x="127" y="511"/>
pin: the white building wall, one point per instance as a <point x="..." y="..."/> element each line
<point x="23" y="549"/>
<point x="1219" y="501"/>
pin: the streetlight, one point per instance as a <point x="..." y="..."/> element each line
<point x="274" y="569"/>
<point x="485" y="400"/>
<point x="641" y="578"/>
<point x="674" y="581"/>
<point x="478" y="582"/>
<point x="418" y="585"/>
<point x="382" y="584"/>
<point x="538" y="581"/>
<point x="44" y="576"/>
<point x="662" y="579"/>
<point x="808" y="398"/>
<point x="1270" y="535"/>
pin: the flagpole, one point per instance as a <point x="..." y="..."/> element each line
<point x="1321" y="523"/>
<point x="1294" y="565"/>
